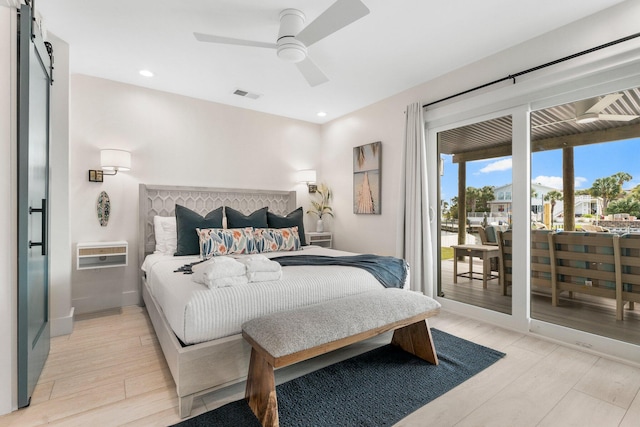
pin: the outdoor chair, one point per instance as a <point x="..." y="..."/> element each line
<point x="488" y="236"/>
<point x="505" y="244"/>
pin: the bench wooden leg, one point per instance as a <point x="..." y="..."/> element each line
<point x="416" y="339"/>
<point x="261" y="390"/>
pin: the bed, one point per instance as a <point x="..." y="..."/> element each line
<point x="205" y="353"/>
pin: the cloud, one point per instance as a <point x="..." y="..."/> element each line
<point x="548" y="181"/>
<point x="579" y="181"/>
<point x="556" y="181"/>
<point x="500" y="165"/>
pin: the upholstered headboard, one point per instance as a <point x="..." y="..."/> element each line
<point x="161" y="200"/>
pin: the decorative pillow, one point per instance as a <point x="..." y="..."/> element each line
<point x="276" y="239"/>
<point x="164" y="230"/>
<point x="186" y="223"/>
<point x="292" y="219"/>
<point x="218" y="241"/>
<point x="236" y="219"/>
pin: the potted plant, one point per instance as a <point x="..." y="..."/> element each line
<point x="320" y="206"/>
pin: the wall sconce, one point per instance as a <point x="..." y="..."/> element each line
<point x="111" y="161"/>
<point x="308" y="177"/>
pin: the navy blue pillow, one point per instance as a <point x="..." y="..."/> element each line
<point x="292" y="219"/>
<point x="186" y="223"/>
<point x="236" y="219"/>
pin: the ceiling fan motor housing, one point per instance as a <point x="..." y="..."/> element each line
<point x="289" y="48"/>
<point x="583" y="115"/>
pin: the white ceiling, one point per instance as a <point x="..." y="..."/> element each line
<point x="400" y="44"/>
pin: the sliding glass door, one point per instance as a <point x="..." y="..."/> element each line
<point x="560" y="154"/>
<point x="475" y="196"/>
<point x="585" y="232"/>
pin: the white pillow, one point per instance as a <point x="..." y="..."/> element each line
<point x="165" y="231"/>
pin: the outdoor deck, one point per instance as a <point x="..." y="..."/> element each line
<point x="582" y="312"/>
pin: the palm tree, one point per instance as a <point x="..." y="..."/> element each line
<point x="473" y="194"/>
<point x="607" y="188"/>
<point x="628" y="205"/>
<point x="622" y="177"/>
<point x="551" y="197"/>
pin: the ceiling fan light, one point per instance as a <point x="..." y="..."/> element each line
<point x="587" y="118"/>
<point x="292" y="52"/>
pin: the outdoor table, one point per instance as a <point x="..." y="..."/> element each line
<point x="484" y="252"/>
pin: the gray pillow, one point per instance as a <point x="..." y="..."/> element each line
<point x="186" y="223"/>
<point x="236" y="219"/>
<point x="292" y="219"/>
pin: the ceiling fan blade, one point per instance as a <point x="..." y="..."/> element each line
<point x="311" y="72"/>
<point x="617" y="117"/>
<point x="337" y="16"/>
<point x="542" y="125"/>
<point x="209" y="38"/>
<point x="604" y="103"/>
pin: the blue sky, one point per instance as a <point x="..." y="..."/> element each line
<point x="591" y="162"/>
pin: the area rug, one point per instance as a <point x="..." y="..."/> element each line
<point x="377" y="388"/>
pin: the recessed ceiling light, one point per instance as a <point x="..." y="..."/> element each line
<point x="322" y="114"/>
<point x="146" y="73"/>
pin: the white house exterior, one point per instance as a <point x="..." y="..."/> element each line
<point x="501" y="205"/>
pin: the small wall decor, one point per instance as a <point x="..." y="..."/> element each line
<point x="103" y="208"/>
<point x="366" y="178"/>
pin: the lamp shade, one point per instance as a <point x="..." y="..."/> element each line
<point x="118" y="160"/>
<point x="306" y="176"/>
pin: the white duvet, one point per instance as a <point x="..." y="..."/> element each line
<point x="197" y="313"/>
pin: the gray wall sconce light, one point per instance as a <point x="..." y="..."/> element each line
<point x="308" y="176"/>
<point x="111" y="162"/>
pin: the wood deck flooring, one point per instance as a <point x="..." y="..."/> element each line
<point x="582" y="312"/>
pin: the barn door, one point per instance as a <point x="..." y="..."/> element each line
<point x="34" y="80"/>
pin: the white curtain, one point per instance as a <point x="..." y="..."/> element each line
<point x="414" y="234"/>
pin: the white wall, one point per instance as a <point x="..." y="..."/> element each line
<point x="174" y="140"/>
<point x="8" y="225"/>
<point x="384" y="121"/>
<point x="60" y="259"/>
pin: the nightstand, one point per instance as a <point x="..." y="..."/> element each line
<point x="102" y="254"/>
<point x="323" y="239"/>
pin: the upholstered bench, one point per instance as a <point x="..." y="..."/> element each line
<point x="284" y="338"/>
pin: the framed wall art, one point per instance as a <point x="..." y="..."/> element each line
<point x="367" y="160"/>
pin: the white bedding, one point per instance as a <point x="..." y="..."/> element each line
<point x="197" y="313"/>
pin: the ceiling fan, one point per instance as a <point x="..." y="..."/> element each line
<point x="293" y="39"/>
<point x="590" y="110"/>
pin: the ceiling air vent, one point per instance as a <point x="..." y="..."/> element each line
<point x="246" y="94"/>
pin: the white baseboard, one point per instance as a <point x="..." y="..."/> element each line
<point x="62" y="325"/>
<point x="94" y="304"/>
<point x="131" y="298"/>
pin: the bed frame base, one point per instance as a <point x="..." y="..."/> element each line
<point x="200" y="368"/>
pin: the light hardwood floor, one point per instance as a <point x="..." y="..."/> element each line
<point x="110" y="372"/>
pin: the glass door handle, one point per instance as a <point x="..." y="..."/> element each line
<point x="43" y="211"/>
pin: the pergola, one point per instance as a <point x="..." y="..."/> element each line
<point x="551" y="129"/>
